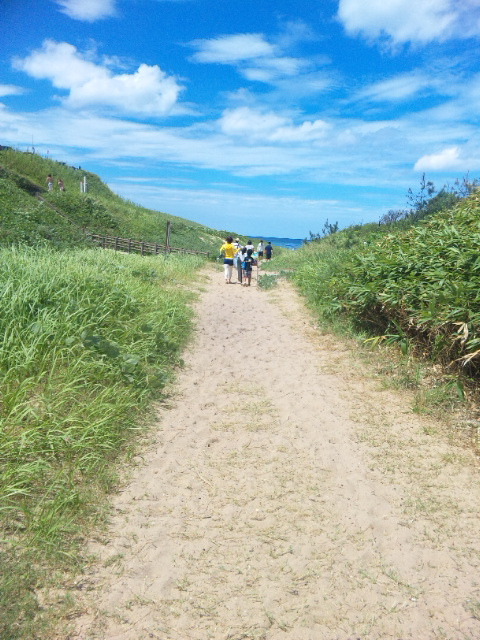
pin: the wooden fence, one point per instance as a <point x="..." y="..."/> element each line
<point x="128" y="245"/>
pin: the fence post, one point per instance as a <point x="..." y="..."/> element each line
<point x="167" y="239"/>
<point x="142" y="248"/>
<point x="116" y="243"/>
<point x="129" y="245"/>
<point x="156" y="248"/>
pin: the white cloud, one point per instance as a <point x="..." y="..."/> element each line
<point x="283" y="66"/>
<point x="232" y="48"/>
<point x="88" y="10"/>
<point x="147" y="91"/>
<point x="255" y="125"/>
<point x="444" y="160"/>
<point x="398" y="88"/>
<point x="245" y="121"/>
<point x="419" y="21"/>
<point x="248" y="211"/>
<point x="252" y="55"/>
<point x="10" y="90"/>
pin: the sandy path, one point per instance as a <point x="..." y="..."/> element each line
<point x="286" y="496"/>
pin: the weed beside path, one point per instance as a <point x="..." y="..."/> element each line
<point x="286" y="495"/>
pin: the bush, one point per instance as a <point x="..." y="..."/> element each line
<point x="420" y="286"/>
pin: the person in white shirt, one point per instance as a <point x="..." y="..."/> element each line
<point x="260" y="249"/>
<point x="239" y="258"/>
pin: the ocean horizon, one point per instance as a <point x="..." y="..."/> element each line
<point x="288" y="243"/>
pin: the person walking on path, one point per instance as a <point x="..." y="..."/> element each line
<point x="50" y="182"/>
<point x="239" y="259"/>
<point x="228" y="250"/>
<point x="260" y="249"/>
<point x="249" y="245"/>
<point x="61" y="186"/>
<point x="248" y="261"/>
<point x="268" y="251"/>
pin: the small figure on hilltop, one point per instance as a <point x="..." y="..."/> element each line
<point x="228" y="250"/>
<point x="268" y="251"/>
<point x="61" y="186"/>
<point x="50" y="182"/>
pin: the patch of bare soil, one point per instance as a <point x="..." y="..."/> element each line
<point x="287" y="496"/>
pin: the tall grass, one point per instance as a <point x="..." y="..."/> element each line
<point x="418" y="287"/>
<point x="90" y="338"/>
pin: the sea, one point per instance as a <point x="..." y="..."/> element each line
<point x="288" y="243"/>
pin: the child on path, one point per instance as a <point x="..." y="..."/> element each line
<point x="247" y="268"/>
<point x="50" y="182"/>
<point x="249" y="245"/>
<point x="239" y="256"/>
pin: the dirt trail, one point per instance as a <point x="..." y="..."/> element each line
<point x="286" y="496"/>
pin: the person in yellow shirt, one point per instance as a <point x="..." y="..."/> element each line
<point x="228" y="249"/>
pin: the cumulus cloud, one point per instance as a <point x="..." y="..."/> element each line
<point x="269" y="127"/>
<point x="147" y="91"/>
<point x="444" y="160"/>
<point x="88" y="10"/>
<point x="402" y="21"/>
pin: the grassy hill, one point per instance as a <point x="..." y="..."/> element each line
<point x="26" y="219"/>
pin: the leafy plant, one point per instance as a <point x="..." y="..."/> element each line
<point x="417" y="287"/>
<point x="267" y="281"/>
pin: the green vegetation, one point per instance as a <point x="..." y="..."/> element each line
<point x="267" y="281"/>
<point x="415" y="285"/>
<point x="25" y="219"/>
<point x="90" y="338"/>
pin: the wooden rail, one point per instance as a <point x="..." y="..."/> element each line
<point x="128" y="245"/>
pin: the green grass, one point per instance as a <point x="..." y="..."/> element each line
<point x="267" y="281"/>
<point x="90" y="339"/>
<point x="416" y="287"/>
<point x="100" y="210"/>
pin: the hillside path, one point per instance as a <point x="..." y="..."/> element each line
<point x="287" y="496"/>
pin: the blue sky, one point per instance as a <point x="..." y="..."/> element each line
<point x="261" y="117"/>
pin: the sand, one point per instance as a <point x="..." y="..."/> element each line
<point x="287" y="495"/>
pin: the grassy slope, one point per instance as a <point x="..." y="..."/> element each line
<point x="24" y="174"/>
<point x="414" y="287"/>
